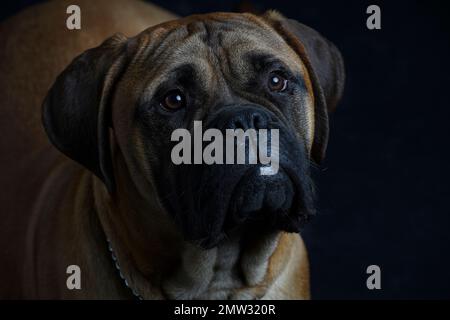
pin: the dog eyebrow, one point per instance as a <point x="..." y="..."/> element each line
<point x="261" y="60"/>
<point x="181" y="75"/>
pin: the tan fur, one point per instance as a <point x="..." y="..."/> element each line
<point x="55" y="213"/>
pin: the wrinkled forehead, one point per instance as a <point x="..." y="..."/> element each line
<point x="220" y="42"/>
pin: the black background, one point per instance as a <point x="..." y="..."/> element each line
<point x="383" y="190"/>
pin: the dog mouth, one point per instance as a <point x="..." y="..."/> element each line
<point x="266" y="203"/>
<point x="258" y="197"/>
<point x="208" y="201"/>
<point x="213" y="201"/>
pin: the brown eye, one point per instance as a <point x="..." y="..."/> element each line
<point x="174" y="100"/>
<point x="277" y="82"/>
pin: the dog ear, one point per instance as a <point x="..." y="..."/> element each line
<point x="326" y="70"/>
<point x="76" y="114"/>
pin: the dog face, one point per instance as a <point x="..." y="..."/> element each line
<point x="230" y="71"/>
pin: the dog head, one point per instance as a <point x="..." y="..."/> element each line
<point x="230" y="71"/>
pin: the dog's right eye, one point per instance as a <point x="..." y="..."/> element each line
<point x="277" y="83"/>
<point x="173" y="100"/>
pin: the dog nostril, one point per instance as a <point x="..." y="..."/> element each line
<point x="237" y="123"/>
<point x="241" y="121"/>
<point x="252" y="120"/>
<point x="258" y="121"/>
<point x="243" y="117"/>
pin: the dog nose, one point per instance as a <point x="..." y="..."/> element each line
<point x="243" y="117"/>
<point x="248" y="119"/>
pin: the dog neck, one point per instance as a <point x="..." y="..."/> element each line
<point x="235" y="269"/>
<point x="144" y="242"/>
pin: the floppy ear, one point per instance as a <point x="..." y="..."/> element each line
<point x="76" y="113"/>
<point x="326" y="70"/>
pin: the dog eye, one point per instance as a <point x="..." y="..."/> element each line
<point x="173" y="100"/>
<point x="277" y="82"/>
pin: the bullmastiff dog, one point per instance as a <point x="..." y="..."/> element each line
<point x="86" y="175"/>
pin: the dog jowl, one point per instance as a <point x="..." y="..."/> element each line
<point x="206" y="69"/>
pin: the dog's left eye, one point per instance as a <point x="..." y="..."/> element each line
<point x="277" y="82"/>
<point x="173" y="100"/>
